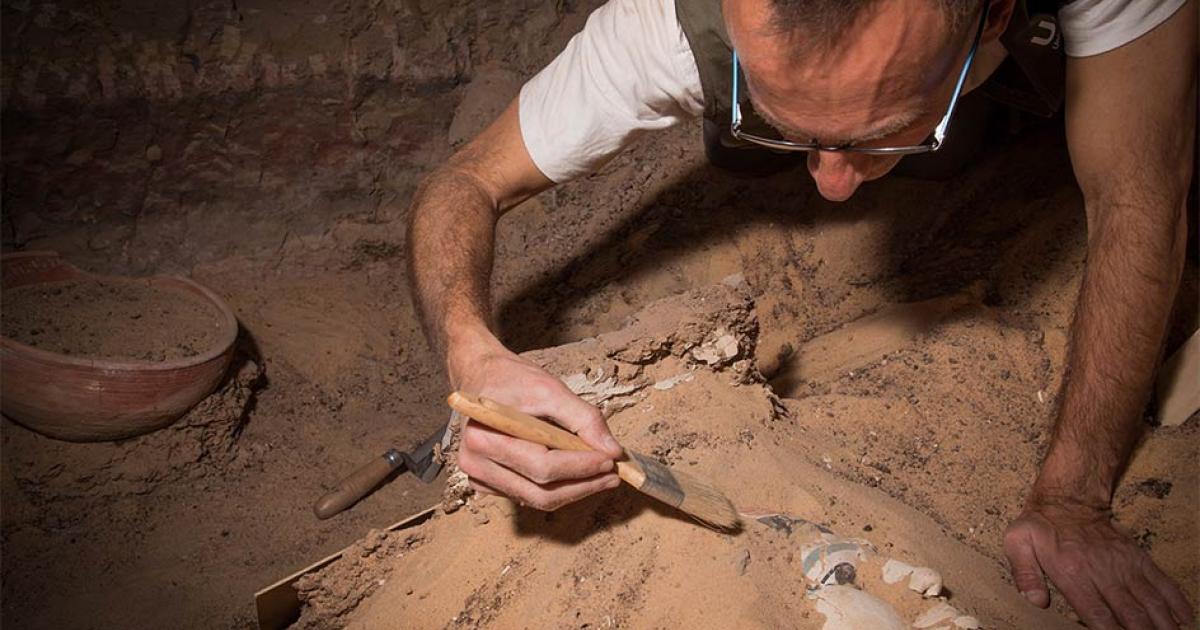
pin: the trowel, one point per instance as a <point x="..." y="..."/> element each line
<point x="420" y="461"/>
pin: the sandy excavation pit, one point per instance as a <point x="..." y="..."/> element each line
<point x="114" y="319"/>
<point x="913" y="338"/>
<point x="681" y="383"/>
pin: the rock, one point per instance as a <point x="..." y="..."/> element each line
<point x="153" y="153"/>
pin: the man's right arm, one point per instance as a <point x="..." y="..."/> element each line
<point x="452" y="226"/>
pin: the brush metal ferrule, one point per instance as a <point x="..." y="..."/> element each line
<point x="394" y="457"/>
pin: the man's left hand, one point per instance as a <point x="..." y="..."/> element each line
<point x="1107" y="579"/>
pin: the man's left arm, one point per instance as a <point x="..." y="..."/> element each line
<point x="1131" y="116"/>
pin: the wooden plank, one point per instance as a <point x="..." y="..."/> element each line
<point x="278" y="605"/>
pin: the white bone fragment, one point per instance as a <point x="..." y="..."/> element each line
<point x="940" y="612"/>
<point x="926" y="581"/>
<point x="894" y="571"/>
<point x="668" y="383"/>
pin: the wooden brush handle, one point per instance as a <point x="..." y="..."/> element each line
<point x="521" y="425"/>
<point x="526" y="427"/>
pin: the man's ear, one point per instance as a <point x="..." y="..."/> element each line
<point x="999" y="13"/>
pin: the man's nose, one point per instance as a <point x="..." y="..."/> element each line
<point x="836" y="174"/>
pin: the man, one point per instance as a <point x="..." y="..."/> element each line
<point x="853" y="87"/>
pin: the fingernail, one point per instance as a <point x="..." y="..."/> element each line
<point x="611" y="443"/>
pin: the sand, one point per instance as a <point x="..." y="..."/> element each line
<point x="800" y="471"/>
<point x="280" y="176"/>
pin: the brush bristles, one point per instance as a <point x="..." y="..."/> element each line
<point x="693" y="496"/>
<point x="706" y="504"/>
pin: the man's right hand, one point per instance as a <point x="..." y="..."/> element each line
<point x="530" y="473"/>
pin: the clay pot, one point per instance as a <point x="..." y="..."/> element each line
<point x="87" y="400"/>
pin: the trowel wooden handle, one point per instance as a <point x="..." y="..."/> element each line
<point x="356" y="486"/>
<point x="515" y="423"/>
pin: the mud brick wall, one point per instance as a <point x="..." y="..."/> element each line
<point x="150" y="136"/>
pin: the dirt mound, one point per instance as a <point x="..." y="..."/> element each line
<point x="59" y="481"/>
<point x="680" y="384"/>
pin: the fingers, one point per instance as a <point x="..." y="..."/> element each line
<point x="534" y="461"/>
<point x="1026" y="571"/>
<point x="1081" y="593"/>
<point x="1181" y="610"/>
<point x="493" y="477"/>
<point x="1153" y="603"/>
<point x="579" y="417"/>
<point x="1125" y="607"/>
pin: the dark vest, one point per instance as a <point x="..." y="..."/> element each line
<point x="1031" y="78"/>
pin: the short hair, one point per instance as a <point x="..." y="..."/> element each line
<point x="824" y="22"/>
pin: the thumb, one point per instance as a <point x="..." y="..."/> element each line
<point x="585" y="421"/>
<point x="1023" y="562"/>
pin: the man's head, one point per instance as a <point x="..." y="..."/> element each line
<point x="861" y="72"/>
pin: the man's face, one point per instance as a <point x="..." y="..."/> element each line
<point x="886" y="82"/>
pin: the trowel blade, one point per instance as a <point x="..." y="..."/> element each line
<point x="421" y="461"/>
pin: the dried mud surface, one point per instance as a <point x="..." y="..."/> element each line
<point x="269" y="151"/>
<point x="111" y="319"/>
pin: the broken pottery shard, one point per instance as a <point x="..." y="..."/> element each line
<point x="668" y="383"/>
<point x="743" y="561"/>
<point x="940" y="612"/>
<point x="717" y="351"/>
<point x="894" y="571"/>
<point x="847" y="608"/>
<point x="926" y="581"/>
<point x="597" y="389"/>
<point x="822" y="557"/>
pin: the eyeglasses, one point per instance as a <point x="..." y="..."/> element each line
<point x="930" y="145"/>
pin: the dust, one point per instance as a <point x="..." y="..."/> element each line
<point x="113" y="319"/>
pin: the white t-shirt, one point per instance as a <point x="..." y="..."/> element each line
<point x="631" y="70"/>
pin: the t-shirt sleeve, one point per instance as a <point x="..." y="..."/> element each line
<point x="630" y="70"/>
<point x="1091" y="27"/>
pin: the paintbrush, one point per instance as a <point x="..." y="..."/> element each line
<point x="689" y="494"/>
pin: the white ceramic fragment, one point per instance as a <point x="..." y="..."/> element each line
<point x="926" y="581"/>
<point x="598" y="389"/>
<point x="847" y="608"/>
<point x="939" y="613"/>
<point x="668" y="383"/>
<point x="723" y="348"/>
<point x="823" y="554"/>
<point x="894" y="571"/>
